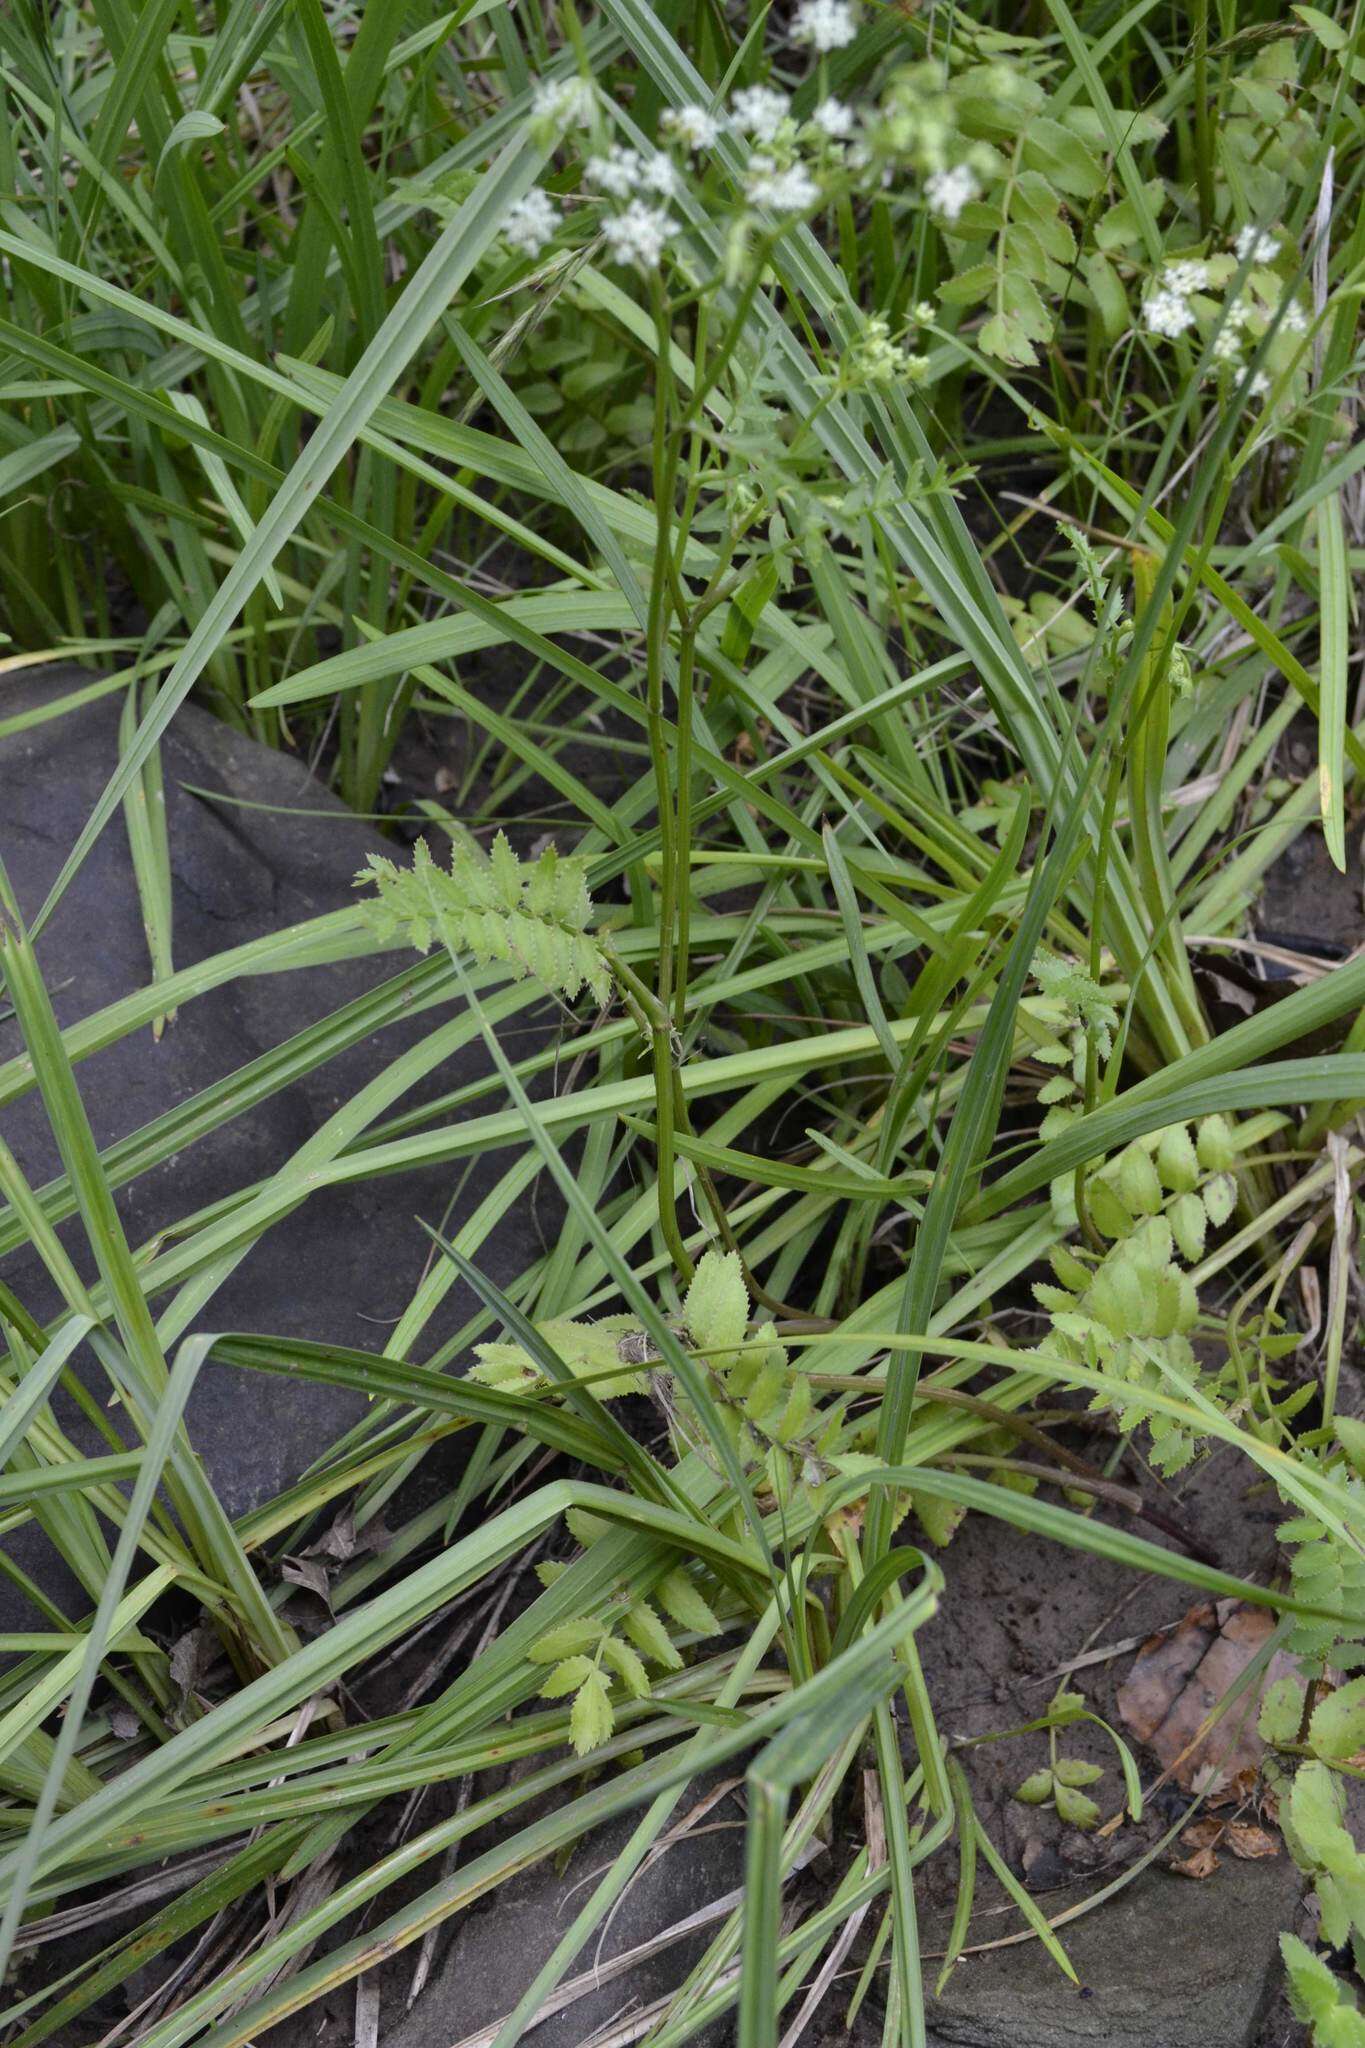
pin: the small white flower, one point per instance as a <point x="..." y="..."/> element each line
<point x="834" y="119"/>
<point x="568" y="102"/>
<point x="759" y="110"/>
<point x="1167" y="312"/>
<point x="659" y="175"/>
<point x="638" y="235"/>
<point x="925" y="313"/>
<point x="1189" y="276"/>
<point x="618" y="173"/>
<point x="949" y="191"/>
<point x="693" y="126"/>
<point x="1260" y="384"/>
<point x="1227" y="347"/>
<point x="1256" y="245"/>
<point x="824" y="24"/>
<point x="784" y="191"/>
<point x="623" y="172"/>
<point x="1295" y="320"/>
<point x="531" y="221"/>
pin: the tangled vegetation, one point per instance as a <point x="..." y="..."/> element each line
<point x="916" y="448"/>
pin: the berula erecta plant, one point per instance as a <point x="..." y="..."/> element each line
<point x="867" y="500"/>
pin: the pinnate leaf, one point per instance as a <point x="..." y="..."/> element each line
<point x="591" y="1719"/>
<point x="625" y="1662"/>
<point x="716" y="1309"/>
<point x="646" y="1630"/>
<point x="677" y="1594"/>
<point x="567" y="1677"/>
<point x="1337" y="1729"/>
<point x="565" y="1640"/>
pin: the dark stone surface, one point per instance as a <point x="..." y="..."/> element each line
<point x="1169" y="1963"/>
<point x="343" y="1266"/>
<point x="496" y="1951"/>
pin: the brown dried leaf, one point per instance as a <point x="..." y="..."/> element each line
<point x="191" y="1658"/>
<point x="1178" y="1679"/>
<point x="1160" y="1671"/>
<point x="306" y="1571"/>
<point x="1203" y="1863"/>
<point x="344" y="1541"/>
<point x="1248" y="1841"/>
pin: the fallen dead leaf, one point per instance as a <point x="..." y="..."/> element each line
<point x="1241" y="1837"/>
<point x="191" y="1659"/>
<point x="343" y="1541"/>
<point x="306" y="1571"/>
<point x="1249" y="1842"/>
<point x="1202" y="1864"/>
<point x="1178" y="1679"/>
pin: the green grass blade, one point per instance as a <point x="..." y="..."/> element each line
<point x="457" y="248"/>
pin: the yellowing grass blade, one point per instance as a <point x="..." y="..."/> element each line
<point x="1334" y="598"/>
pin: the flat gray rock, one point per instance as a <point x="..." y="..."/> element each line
<point x="343" y="1266"/>
<point x="496" y="1951"/>
<point x="1170" y="1962"/>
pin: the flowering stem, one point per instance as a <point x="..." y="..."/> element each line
<point x="661" y="600"/>
<point x="682" y="837"/>
<point x="707" y="383"/>
<point x="1203" y="134"/>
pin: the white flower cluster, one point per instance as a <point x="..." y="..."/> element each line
<point x="1256" y="245"/>
<point x="824" y="24"/>
<point x="949" y="191"/>
<point x="1189" y="275"/>
<point x="790" y="160"/>
<point x="694" y="127"/>
<point x="1227" y="343"/>
<point x="775" y="178"/>
<point x="638" y="234"/>
<point x="1167" y="312"/>
<point x="623" y="173"/>
<point x="782" y="189"/>
<point x="834" y="119"/>
<point x="556" y="104"/>
<point x="564" y="102"/>
<point x="759" y="111"/>
<point x="531" y="222"/>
